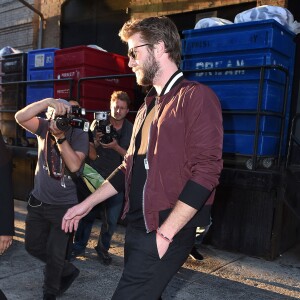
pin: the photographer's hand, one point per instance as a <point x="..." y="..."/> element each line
<point x="97" y="139"/>
<point x="60" y="106"/>
<point x="115" y="146"/>
<point x="58" y="134"/>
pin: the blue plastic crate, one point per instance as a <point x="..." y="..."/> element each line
<point x="257" y="43"/>
<point x="243" y="144"/>
<point x="239" y="37"/>
<point x="40" y="75"/>
<point x="246" y="124"/>
<point x="235" y="59"/>
<point x="37" y="90"/>
<point x="243" y="95"/>
<point x="41" y="59"/>
<point x="40" y="66"/>
<point x="35" y="93"/>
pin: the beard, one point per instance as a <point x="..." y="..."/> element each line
<point x="148" y="71"/>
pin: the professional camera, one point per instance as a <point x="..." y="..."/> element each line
<point x="103" y="125"/>
<point x="73" y="119"/>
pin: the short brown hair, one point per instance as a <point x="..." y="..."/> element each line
<point x="154" y="30"/>
<point x="121" y="96"/>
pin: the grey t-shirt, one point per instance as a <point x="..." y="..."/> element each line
<point x="50" y="190"/>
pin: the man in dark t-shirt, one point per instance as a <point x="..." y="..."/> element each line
<point x="109" y="157"/>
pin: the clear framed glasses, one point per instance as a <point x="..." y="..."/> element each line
<point x="132" y="51"/>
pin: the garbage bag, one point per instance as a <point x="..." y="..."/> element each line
<point x="211" y="22"/>
<point x="280" y="14"/>
<point x="8" y="50"/>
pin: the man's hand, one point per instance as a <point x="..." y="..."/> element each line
<point x="162" y="245"/>
<point x="55" y="131"/>
<point x="60" y="106"/>
<point x="112" y="145"/>
<point x="98" y="136"/>
<point x="5" y="242"/>
<point x="73" y="215"/>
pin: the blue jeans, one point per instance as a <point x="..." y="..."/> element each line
<point x="110" y="211"/>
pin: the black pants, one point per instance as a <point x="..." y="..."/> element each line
<point x="45" y="240"/>
<point x="145" y="275"/>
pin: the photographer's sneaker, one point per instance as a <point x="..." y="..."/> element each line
<point x="75" y="253"/>
<point x="103" y="255"/>
<point x="194" y="254"/>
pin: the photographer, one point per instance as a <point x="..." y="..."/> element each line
<point x="60" y="153"/>
<point x="111" y="148"/>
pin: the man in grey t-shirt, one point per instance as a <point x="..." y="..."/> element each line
<point x="60" y="153"/>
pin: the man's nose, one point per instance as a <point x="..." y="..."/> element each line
<point x="131" y="62"/>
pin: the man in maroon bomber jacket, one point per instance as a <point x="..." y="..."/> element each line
<point x="172" y="166"/>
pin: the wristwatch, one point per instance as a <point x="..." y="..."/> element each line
<point x="60" y="141"/>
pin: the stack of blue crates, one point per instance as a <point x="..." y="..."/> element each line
<point x="40" y="66"/>
<point x="250" y="44"/>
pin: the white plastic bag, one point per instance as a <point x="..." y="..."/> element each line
<point x="265" y="12"/>
<point x="211" y="22"/>
<point x="8" y="50"/>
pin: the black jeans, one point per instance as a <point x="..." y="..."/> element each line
<point x="145" y="275"/>
<point x="45" y="240"/>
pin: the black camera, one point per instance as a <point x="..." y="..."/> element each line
<point x="103" y="125"/>
<point x="73" y="119"/>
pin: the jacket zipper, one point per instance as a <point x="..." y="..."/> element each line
<point x="146" y="165"/>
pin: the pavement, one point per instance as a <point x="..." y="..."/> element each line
<point x="221" y="275"/>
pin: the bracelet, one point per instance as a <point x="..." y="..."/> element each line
<point x="163" y="236"/>
<point x="60" y="141"/>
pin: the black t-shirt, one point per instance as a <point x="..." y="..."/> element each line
<point x="139" y="174"/>
<point x="108" y="159"/>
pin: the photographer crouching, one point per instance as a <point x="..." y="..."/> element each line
<point x="112" y="133"/>
<point x="61" y="151"/>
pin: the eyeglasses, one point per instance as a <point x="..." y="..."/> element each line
<point x="132" y="52"/>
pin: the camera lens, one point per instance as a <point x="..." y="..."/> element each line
<point x="62" y="123"/>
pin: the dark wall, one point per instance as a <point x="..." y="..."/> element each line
<point x="92" y="22"/>
<point x="294" y="7"/>
<point x="185" y="21"/>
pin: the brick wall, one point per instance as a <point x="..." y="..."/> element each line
<point x="16" y="28"/>
<point x="145" y="8"/>
<point x="19" y="25"/>
<point x="51" y="10"/>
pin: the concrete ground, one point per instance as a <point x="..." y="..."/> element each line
<point x="220" y="276"/>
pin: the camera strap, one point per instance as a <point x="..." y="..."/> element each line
<point x="53" y="161"/>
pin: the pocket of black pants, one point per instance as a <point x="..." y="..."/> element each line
<point x="33" y="202"/>
<point x="154" y="244"/>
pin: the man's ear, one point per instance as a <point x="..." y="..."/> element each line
<point x="159" y="48"/>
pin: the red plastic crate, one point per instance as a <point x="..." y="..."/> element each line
<point x="87" y="56"/>
<point x="82" y="61"/>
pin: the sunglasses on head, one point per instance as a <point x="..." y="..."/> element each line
<point x="132" y="53"/>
